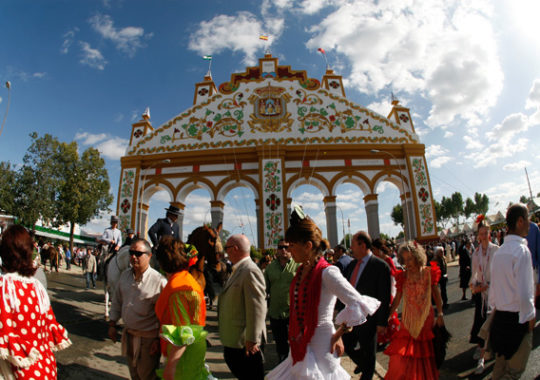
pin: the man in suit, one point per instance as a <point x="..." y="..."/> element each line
<point x="242" y="312"/>
<point x="371" y="277"/>
<point x="165" y="226"/>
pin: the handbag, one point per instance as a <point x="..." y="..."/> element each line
<point x="440" y="343"/>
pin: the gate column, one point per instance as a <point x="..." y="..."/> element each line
<point x="330" y="209"/>
<point x="216" y="211"/>
<point x="372" y="213"/>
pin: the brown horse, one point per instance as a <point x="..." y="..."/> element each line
<point x="210" y="272"/>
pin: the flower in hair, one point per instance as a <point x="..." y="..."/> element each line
<point x="415" y="244"/>
<point x="191" y="253"/>
<point x="297" y="215"/>
<point x="480" y="218"/>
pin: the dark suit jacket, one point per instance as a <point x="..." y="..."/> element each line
<point x="161" y="228"/>
<point x="374" y="282"/>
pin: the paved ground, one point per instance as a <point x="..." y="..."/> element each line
<point x="94" y="356"/>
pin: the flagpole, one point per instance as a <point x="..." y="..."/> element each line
<point x="210" y="68"/>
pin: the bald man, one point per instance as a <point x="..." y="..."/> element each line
<point x="242" y="312"/>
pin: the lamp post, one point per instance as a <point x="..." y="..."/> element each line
<point x="406" y="230"/>
<point x="343" y="225"/>
<point x="143" y="180"/>
<point x="8" y="86"/>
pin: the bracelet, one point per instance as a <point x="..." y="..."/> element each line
<point x="440" y="315"/>
<point x="345" y="328"/>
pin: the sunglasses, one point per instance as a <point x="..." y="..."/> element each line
<point x="136" y="253"/>
<point x="282" y="246"/>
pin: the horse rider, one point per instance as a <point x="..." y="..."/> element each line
<point x="130" y="238"/>
<point x="112" y="237"/>
<point x="165" y="226"/>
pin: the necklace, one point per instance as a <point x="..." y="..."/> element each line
<point x="300" y="298"/>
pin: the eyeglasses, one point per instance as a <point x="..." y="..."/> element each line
<point x="282" y="246"/>
<point x="228" y="246"/>
<point x="132" y="252"/>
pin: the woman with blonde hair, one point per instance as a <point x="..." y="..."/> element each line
<point x="315" y="344"/>
<point x="411" y="351"/>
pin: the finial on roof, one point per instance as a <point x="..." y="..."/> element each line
<point x="395" y="101"/>
<point x="146" y="114"/>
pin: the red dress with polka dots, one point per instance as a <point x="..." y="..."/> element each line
<point x="29" y="332"/>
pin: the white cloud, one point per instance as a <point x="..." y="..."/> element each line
<point x="68" y="37"/>
<point x="515" y="166"/>
<point x="92" y="57"/>
<point x="382" y="108"/>
<point x="128" y="40"/>
<point x="239" y="33"/>
<point x="89" y="138"/>
<point x="110" y="147"/>
<point x="510" y="126"/>
<point x="113" y="148"/>
<point x="439" y="161"/>
<point x="435" y="150"/>
<point x="533" y="101"/>
<point x="472" y="143"/>
<point x="448" y="134"/>
<point x="445" y="50"/>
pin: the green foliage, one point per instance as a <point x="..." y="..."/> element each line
<point x="7" y="181"/>
<point x="255" y="253"/>
<point x="346" y="241"/>
<point x="384" y="236"/>
<point x="83" y="186"/>
<point x="397" y="215"/>
<point x="58" y="186"/>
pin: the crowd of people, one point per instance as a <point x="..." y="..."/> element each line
<point x="321" y="302"/>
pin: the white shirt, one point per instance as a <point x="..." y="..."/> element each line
<point x="112" y="235"/>
<point x="512" y="285"/>
<point x="481" y="263"/>
<point x="135" y="301"/>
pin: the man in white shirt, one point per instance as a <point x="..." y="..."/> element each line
<point x="112" y="236"/>
<point x="511" y="298"/>
<point x="134" y="301"/>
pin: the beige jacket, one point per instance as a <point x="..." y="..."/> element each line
<point x="242" y="306"/>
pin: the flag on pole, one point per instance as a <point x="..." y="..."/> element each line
<point x="264" y="38"/>
<point x="321" y="50"/>
<point x="349" y="222"/>
<point x="207" y="57"/>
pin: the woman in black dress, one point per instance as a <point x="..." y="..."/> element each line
<point x="465" y="253"/>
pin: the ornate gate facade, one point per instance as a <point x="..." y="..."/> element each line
<point x="272" y="129"/>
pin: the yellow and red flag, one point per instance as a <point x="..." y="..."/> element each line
<point x="264" y="38"/>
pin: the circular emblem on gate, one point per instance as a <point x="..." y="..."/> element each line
<point x="273" y="202"/>
<point x="125" y="206"/>
<point x="423" y="194"/>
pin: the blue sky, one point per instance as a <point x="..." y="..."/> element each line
<point x="468" y="70"/>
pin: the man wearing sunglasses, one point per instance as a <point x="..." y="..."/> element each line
<point x="278" y="276"/>
<point x="134" y="301"/>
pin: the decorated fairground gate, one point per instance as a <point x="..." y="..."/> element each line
<point x="272" y="129"/>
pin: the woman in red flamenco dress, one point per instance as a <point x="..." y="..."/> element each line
<point x="411" y="350"/>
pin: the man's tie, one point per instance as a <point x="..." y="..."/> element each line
<point x="355" y="273"/>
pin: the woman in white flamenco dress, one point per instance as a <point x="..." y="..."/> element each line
<point x="316" y="345"/>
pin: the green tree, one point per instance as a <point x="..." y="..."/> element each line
<point x="7" y="184"/>
<point x="397" y="215"/>
<point x="82" y="188"/>
<point x="457" y="206"/>
<point x="470" y="207"/>
<point x="36" y="181"/>
<point x="523" y="199"/>
<point x="481" y="202"/>
<point x="346" y="241"/>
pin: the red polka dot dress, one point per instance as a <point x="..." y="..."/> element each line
<point x="29" y="332"/>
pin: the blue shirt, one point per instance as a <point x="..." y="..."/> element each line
<point x="533" y="242"/>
